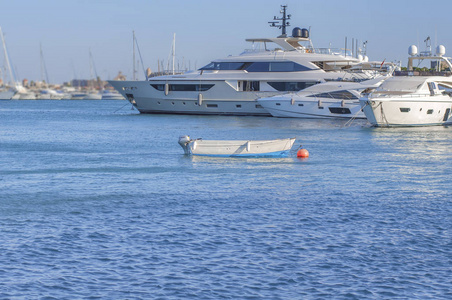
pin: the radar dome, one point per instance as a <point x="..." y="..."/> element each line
<point x="360" y="57"/>
<point x="305" y="33"/>
<point x="365" y="59"/>
<point x="296" y="32"/>
<point x="440" y="50"/>
<point x="412" y="50"/>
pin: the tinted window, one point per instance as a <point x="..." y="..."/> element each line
<point x="288" y="66"/>
<point x="223" y="66"/>
<point x="159" y="87"/>
<point x="190" y="87"/>
<point x="291" y="86"/>
<point x="345" y="95"/>
<point x="340" y="110"/>
<point x="184" y="87"/>
<point x="258" y="67"/>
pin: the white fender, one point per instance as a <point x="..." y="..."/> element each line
<point x="166" y="89"/>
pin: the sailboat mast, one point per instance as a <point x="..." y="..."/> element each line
<point x="174" y="50"/>
<point x="134" y="67"/>
<point x="44" y="74"/>
<point x="13" y="79"/>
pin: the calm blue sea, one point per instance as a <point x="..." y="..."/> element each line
<point x="99" y="202"/>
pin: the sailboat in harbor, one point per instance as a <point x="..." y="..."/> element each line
<point x="45" y="92"/>
<point x="18" y="90"/>
<point x="7" y="92"/>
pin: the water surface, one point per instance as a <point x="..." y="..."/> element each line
<point x="97" y="202"/>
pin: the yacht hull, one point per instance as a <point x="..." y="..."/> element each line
<point x="402" y="112"/>
<point x="221" y="99"/>
<point x="284" y="107"/>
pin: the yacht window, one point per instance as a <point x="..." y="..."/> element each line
<point x="405" y="109"/>
<point x="281" y="67"/>
<point x="224" y="66"/>
<point x="345" y="95"/>
<point x="184" y="87"/>
<point x="340" y="110"/>
<point x="430" y="111"/>
<point x="288" y="66"/>
<point x="212" y="105"/>
<point x="291" y="86"/>
<point x="158" y="87"/>
<point x="250" y="86"/>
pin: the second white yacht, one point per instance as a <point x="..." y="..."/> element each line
<point x="330" y="100"/>
<point x="415" y="97"/>
<point x="231" y="85"/>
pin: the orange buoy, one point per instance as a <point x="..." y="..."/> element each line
<point x="302" y="153"/>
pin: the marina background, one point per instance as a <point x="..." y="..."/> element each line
<point x="97" y="201"/>
<point x="205" y="30"/>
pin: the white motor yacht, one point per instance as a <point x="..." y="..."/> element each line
<point x="231" y="85"/>
<point x="330" y="100"/>
<point x="415" y="97"/>
<point x="111" y="95"/>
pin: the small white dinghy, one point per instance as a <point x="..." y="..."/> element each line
<point x="267" y="148"/>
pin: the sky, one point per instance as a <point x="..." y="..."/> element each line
<point x="205" y="30"/>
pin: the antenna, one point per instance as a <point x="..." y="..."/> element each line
<point x="283" y="24"/>
<point x="428" y="45"/>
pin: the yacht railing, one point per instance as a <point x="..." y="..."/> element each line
<point x="422" y="73"/>
<point x="391" y="95"/>
<point x="330" y="51"/>
<point x="170" y="72"/>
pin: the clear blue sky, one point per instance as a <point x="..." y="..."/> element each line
<point x="205" y="30"/>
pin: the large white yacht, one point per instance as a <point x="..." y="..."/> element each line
<point x="415" y="97"/>
<point x="231" y="85"/>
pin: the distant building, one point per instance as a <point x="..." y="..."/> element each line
<point x="120" y="76"/>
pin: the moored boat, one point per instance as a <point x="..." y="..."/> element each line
<point x="230" y="86"/>
<point x="330" y="100"/>
<point x="236" y="148"/>
<point x="414" y="97"/>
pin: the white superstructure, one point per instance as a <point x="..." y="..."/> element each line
<point x="415" y="97"/>
<point x="231" y="85"/>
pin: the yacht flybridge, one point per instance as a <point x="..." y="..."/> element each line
<point x="230" y="86"/>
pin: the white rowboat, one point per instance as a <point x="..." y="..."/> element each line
<point x="233" y="148"/>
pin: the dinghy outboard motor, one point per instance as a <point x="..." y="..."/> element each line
<point x="184" y="140"/>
